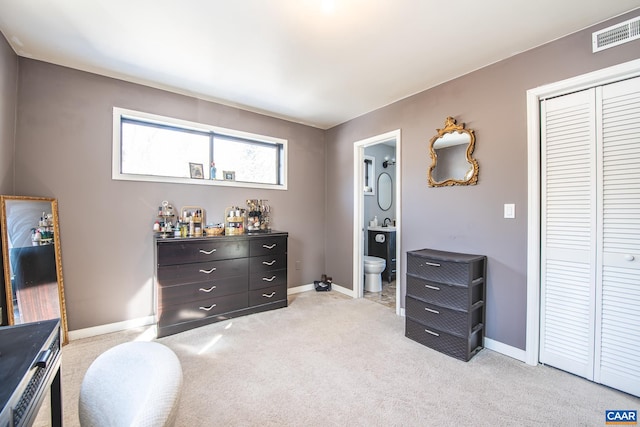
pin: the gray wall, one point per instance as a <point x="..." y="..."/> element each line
<point x="371" y="207"/>
<point x="63" y="150"/>
<point x="8" y="99"/>
<point x="470" y="219"/>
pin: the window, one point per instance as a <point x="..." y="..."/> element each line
<point x="147" y="147"/>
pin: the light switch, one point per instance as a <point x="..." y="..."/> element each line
<point x="509" y="210"/>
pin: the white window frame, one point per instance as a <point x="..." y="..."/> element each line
<point x="116" y="173"/>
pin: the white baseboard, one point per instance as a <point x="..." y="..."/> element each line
<point x="150" y="320"/>
<point x="299" y="289"/>
<point x="311" y="287"/>
<point x="505" y="349"/>
<point x="111" y="327"/>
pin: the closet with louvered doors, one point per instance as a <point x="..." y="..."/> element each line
<point x="590" y="250"/>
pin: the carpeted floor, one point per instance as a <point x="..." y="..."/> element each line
<point x="329" y="360"/>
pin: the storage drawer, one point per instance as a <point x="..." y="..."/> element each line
<point x="268" y="245"/>
<point x="267" y="295"/>
<point x="202" y="272"/>
<point x="268" y="278"/>
<point x="196" y="310"/>
<point x="460" y="348"/>
<point x="450" y="296"/>
<point x="447" y="320"/>
<point x="172" y="295"/>
<point x="178" y="252"/>
<point x="439" y="271"/>
<point x="262" y="264"/>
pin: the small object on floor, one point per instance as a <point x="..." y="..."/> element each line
<point x="324" y="284"/>
<point x="131" y="384"/>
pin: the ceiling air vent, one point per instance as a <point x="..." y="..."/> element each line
<point x="616" y="34"/>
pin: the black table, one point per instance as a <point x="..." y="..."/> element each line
<point x="29" y="365"/>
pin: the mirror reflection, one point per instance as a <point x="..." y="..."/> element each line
<point x="385" y="191"/>
<point x="32" y="264"/>
<point x="451" y="151"/>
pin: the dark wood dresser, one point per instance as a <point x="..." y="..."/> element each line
<point x="209" y="279"/>
<point x="445" y="303"/>
<point x="29" y="366"/>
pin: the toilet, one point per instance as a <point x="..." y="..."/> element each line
<point x="373" y="268"/>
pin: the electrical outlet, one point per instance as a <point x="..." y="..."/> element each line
<point x="298" y="265"/>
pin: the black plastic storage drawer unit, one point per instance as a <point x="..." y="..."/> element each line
<point x="445" y="303"/>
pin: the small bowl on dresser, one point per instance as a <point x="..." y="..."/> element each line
<point x="214" y="231"/>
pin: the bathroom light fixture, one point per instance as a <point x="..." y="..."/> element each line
<point x="387" y="162"/>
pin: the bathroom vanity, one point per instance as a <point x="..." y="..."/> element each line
<point x="204" y="280"/>
<point x="384" y="248"/>
<point x="445" y="302"/>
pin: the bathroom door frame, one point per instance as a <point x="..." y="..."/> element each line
<point x="358" y="212"/>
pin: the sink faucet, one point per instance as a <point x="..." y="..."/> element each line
<point x="386" y="222"/>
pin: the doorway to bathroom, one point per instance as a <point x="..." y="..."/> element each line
<point x="377" y="213"/>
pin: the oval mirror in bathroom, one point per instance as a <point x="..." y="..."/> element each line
<point x="385" y="191"/>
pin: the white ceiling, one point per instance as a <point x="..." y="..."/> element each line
<point x="318" y="62"/>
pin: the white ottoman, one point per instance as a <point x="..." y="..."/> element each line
<point x="132" y="384"/>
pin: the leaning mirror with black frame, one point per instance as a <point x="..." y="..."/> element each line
<point x="31" y="261"/>
<point x="451" y="156"/>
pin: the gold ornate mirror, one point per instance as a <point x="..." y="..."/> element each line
<point x="451" y="161"/>
<point x="31" y="261"/>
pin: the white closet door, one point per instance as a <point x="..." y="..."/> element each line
<point x="618" y="333"/>
<point x="568" y="254"/>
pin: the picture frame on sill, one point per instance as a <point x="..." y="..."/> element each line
<point x="229" y="175"/>
<point x="196" y="170"/>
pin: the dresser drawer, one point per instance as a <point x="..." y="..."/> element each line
<point x="172" y="295"/>
<point x="266" y="263"/>
<point x="268" y="279"/>
<point x="267" y="295"/>
<point x="196" y="310"/>
<point x="460" y="348"/>
<point x="268" y="245"/>
<point x="455" y="322"/>
<point x="202" y="271"/>
<point x="450" y="296"/>
<point x="439" y="271"/>
<point x="179" y="252"/>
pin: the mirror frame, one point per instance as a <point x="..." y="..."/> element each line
<point x="450" y="126"/>
<point x="58" y="260"/>
<point x="380" y="193"/>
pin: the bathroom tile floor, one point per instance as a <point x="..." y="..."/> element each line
<point x="386" y="297"/>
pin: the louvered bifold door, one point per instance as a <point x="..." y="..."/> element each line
<point x="568" y="233"/>
<point x="618" y="312"/>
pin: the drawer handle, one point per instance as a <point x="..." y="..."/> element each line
<point x="269" y="262"/>
<point x="269" y="246"/>
<point x="207" y="290"/>
<point x="432" y="333"/>
<point x="430" y="310"/>
<point x="202" y="251"/>
<point x="432" y="264"/>
<point x="208" y="271"/>
<point x="269" y="279"/>
<point x="435" y="288"/>
<point x="208" y="308"/>
<point x="269" y="295"/>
